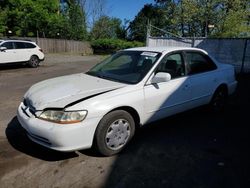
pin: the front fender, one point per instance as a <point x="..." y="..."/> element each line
<point x="101" y="105"/>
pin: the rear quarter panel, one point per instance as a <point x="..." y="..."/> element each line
<point x="227" y="75"/>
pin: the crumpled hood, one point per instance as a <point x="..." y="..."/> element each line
<point x="61" y="91"/>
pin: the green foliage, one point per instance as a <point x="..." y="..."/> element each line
<point x="24" y="16"/>
<point x="107" y="46"/>
<point x="107" y="27"/>
<point x="236" y="20"/>
<point x="43" y="17"/>
<point x="77" y="22"/>
<point x="189" y="18"/>
<point x="138" y="27"/>
<point x="3" y="26"/>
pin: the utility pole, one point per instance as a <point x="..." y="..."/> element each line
<point x="148" y="32"/>
<point x="206" y="21"/>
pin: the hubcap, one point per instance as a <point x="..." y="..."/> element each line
<point x="34" y="61"/>
<point x="219" y="100"/>
<point x="117" y="134"/>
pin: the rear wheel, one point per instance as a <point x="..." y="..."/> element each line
<point x="114" y="132"/>
<point x="34" y="61"/>
<point x="219" y="99"/>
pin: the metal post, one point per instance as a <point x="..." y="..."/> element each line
<point x="37" y="37"/>
<point x="148" y="32"/>
<point x="244" y="56"/>
<point x="193" y="41"/>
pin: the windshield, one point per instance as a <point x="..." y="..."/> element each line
<point x="125" y="66"/>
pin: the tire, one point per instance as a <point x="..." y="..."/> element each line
<point x="114" y="132"/>
<point x="219" y="100"/>
<point x="34" y="61"/>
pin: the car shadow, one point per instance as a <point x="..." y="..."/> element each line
<point x="193" y="149"/>
<point x="196" y="148"/>
<point x="18" y="139"/>
<point x="9" y="66"/>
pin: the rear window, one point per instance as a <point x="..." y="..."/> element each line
<point x="199" y="63"/>
<point x="29" y="45"/>
<point x="19" y="45"/>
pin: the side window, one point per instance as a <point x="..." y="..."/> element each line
<point x="19" y="45"/>
<point x="199" y="63"/>
<point x="8" y="45"/>
<point x="172" y="64"/>
<point x="29" y="45"/>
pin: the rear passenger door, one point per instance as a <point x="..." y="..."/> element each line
<point x="202" y="76"/>
<point x="8" y="55"/>
<point x="22" y="53"/>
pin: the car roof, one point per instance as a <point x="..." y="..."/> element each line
<point x="165" y="49"/>
<point x="15" y="40"/>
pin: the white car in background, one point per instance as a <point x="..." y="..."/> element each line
<point x="102" y="107"/>
<point x="19" y="51"/>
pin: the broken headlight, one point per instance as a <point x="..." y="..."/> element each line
<point x="63" y="117"/>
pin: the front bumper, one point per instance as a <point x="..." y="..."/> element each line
<point x="42" y="59"/>
<point x="66" y="137"/>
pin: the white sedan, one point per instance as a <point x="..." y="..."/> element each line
<point x="103" y="107"/>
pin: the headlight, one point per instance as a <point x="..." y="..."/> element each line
<point x="63" y="117"/>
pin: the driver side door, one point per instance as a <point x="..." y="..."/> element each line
<point x="167" y="98"/>
<point x="8" y="55"/>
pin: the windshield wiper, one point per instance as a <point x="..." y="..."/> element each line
<point x="101" y="75"/>
<point x="93" y="74"/>
<point x="97" y="74"/>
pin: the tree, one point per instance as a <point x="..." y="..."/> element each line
<point x="154" y="14"/>
<point x="3" y="17"/>
<point x="77" y="21"/>
<point x="26" y="17"/>
<point x="217" y="18"/>
<point x="94" y="9"/>
<point x="233" y="20"/>
<point x="29" y="18"/>
<point x="107" y="27"/>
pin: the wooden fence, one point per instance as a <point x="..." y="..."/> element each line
<point x="62" y="46"/>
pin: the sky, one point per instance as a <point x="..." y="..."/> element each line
<point x="125" y="9"/>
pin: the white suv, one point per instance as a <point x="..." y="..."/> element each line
<point x="18" y="51"/>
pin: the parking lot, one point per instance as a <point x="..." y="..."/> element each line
<point x="197" y="148"/>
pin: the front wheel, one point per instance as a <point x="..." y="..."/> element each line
<point x="114" y="132"/>
<point x="34" y="61"/>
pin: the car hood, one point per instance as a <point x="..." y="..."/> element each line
<point x="62" y="91"/>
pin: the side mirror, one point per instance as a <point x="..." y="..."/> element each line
<point x="3" y="49"/>
<point x="161" y="77"/>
